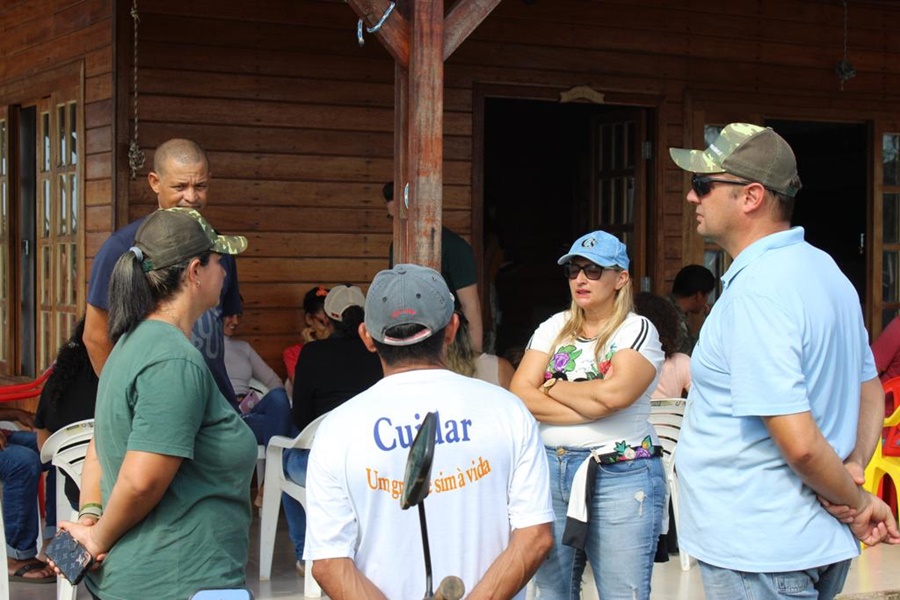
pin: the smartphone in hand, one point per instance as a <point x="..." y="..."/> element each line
<point x="70" y="557"/>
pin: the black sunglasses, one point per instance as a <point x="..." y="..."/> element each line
<point x="591" y="271"/>
<point x="702" y="185"/>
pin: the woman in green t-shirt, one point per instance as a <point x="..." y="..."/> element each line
<point x="171" y="513"/>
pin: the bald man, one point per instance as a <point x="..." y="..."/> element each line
<point x="180" y="177"/>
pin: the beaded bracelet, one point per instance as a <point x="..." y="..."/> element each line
<point x="91" y="509"/>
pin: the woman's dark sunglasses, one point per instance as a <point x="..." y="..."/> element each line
<point x="591" y="271"/>
<point x="702" y="185"/>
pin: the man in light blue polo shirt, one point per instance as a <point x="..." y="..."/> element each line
<point x="785" y="405"/>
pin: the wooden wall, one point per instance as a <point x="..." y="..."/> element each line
<point x="297" y="118"/>
<point x="49" y="46"/>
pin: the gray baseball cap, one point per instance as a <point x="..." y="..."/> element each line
<point x="749" y="151"/>
<point x="407" y="294"/>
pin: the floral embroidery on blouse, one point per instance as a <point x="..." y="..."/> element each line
<point x="625" y="452"/>
<point x="562" y="362"/>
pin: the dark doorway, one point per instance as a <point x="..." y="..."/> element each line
<point x="538" y="165"/>
<point x="831" y="207"/>
<point x="27" y="192"/>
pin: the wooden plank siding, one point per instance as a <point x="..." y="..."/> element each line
<point x="44" y="43"/>
<point x="65" y="46"/>
<point x="298" y="119"/>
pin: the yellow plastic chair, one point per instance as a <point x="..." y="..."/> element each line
<point x="882" y="465"/>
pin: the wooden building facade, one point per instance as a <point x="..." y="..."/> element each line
<point x="557" y="119"/>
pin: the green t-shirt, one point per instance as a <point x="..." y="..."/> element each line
<point x="457" y="262"/>
<point x="157" y="395"/>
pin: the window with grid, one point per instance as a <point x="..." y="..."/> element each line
<point x="58" y="228"/>
<point x="615" y="180"/>
<point x="890" y="202"/>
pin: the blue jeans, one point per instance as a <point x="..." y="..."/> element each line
<point x="625" y="521"/>
<point x="822" y="583"/>
<point x="20" y="471"/>
<point x="271" y="416"/>
<point x="294" y="463"/>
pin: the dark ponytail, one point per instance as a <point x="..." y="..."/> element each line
<point x="134" y="294"/>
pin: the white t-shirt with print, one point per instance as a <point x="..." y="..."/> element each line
<point x="489" y="477"/>
<point x="576" y="360"/>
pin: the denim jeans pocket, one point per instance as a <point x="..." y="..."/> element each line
<point x="790" y="584"/>
<point x="625" y="467"/>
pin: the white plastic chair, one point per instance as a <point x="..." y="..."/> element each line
<point x="272" y="502"/>
<point x="666" y="416"/>
<point x="66" y="449"/>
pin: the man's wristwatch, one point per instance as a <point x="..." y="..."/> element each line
<point x="545" y="387"/>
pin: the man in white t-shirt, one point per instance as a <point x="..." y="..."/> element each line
<point x="489" y="508"/>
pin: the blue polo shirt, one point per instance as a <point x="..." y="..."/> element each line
<point x="786" y="336"/>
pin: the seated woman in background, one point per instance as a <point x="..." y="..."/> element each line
<point x="329" y="372"/>
<point x="266" y="416"/>
<point x="68" y="396"/>
<point x="170" y="514"/>
<point x="318" y="327"/>
<point x="675" y="375"/>
<point x="486" y="367"/>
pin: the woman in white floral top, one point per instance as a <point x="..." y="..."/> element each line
<point x="587" y="376"/>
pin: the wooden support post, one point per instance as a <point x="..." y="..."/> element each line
<point x="414" y="35"/>
<point x="426" y="123"/>
<point x="401" y="163"/>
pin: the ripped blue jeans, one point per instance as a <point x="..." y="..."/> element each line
<point x="625" y="521"/>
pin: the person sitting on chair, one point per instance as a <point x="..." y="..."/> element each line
<point x="269" y="415"/>
<point x="20" y="472"/>
<point x="329" y="372"/>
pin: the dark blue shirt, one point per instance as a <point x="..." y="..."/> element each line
<point x="208" y="335"/>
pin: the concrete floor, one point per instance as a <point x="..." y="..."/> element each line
<point x="875" y="571"/>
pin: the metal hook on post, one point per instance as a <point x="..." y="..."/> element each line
<point x="374" y="28"/>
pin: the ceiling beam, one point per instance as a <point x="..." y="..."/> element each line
<point x="394" y="32"/>
<point x="462" y="19"/>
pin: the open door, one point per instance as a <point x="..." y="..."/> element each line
<point x="552" y="172"/>
<point x="619" y="153"/>
<point x="42" y="276"/>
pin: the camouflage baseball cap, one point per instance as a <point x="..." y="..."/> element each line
<point x="749" y="151"/>
<point x="170" y="236"/>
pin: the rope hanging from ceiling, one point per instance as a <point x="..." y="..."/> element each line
<point x="135" y="155"/>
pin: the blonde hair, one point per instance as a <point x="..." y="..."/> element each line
<point x="622" y="306"/>
<point x="460" y="356"/>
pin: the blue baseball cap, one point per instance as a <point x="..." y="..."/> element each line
<point x="600" y="248"/>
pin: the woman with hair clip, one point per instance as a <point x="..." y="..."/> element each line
<point x="586" y="376"/>
<point x="171" y="513"/>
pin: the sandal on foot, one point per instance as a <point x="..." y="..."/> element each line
<point x="19" y="575"/>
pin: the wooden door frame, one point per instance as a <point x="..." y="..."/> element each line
<point x="482" y="91"/>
